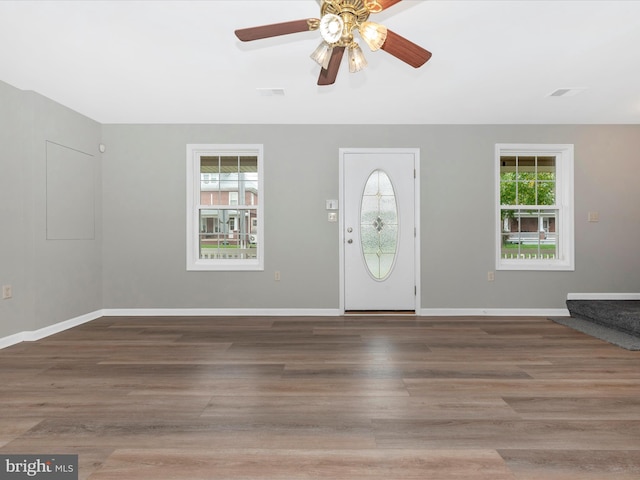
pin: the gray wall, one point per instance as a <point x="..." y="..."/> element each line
<point x="144" y="215"/>
<point x="53" y="280"/>
<point x="128" y="249"/>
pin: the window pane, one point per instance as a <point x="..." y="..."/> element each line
<point x="229" y="164"/>
<point x="229" y="182"/>
<point x="526" y="192"/>
<point x="248" y="164"/>
<point x="546" y="193"/>
<point x="250" y="193"/>
<point x="248" y="190"/>
<point x="210" y="164"/>
<point x="546" y="164"/>
<point x="209" y="197"/>
<point x="507" y="188"/>
<point x="526" y="175"/>
<point x="526" y="167"/>
<point x="248" y="180"/>
<point x="209" y="180"/>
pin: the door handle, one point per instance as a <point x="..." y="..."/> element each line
<point x="350" y="240"/>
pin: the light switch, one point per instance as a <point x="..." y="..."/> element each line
<point x="332" y="204"/>
<point x="594" y="216"/>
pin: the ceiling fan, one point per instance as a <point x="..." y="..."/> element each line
<point x="340" y="19"/>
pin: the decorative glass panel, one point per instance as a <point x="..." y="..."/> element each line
<point x="379" y="225"/>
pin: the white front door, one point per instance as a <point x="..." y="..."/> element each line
<point x="379" y="229"/>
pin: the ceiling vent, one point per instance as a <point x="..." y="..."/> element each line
<point x="270" y="92"/>
<point x="566" y="92"/>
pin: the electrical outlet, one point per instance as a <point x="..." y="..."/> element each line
<point x="276" y="276"/>
<point x="491" y="276"/>
<point x="7" y="292"/>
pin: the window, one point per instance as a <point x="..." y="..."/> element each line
<point x="534" y="196"/>
<point x="225" y="207"/>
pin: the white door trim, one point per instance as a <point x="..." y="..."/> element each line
<point x="341" y="221"/>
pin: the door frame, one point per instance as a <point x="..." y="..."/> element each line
<point x="416" y="211"/>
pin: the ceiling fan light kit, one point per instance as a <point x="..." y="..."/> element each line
<point x="331" y="28"/>
<point x="322" y="54"/>
<point x="356" y="58"/>
<point x="373" y="34"/>
<point x="339" y="20"/>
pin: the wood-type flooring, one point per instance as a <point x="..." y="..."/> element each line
<point x="354" y="397"/>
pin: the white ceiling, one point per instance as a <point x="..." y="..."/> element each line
<point x="494" y="62"/>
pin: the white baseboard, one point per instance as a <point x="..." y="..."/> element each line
<point x="11" y="340"/>
<point x="30" y="336"/>
<point x="327" y="312"/>
<point x="494" y="312"/>
<point x="218" y="312"/>
<point x="603" y="296"/>
<point x="33" y="335"/>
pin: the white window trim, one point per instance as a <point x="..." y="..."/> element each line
<point x="564" y="203"/>
<point x="194" y="152"/>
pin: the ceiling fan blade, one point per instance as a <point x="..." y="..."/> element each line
<point x="407" y="51"/>
<point x="384" y="4"/>
<point x="328" y="76"/>
<point x="273" y="30"/>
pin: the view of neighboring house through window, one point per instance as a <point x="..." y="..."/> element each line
<point x="535" y="207"/>
<point x="224" y="207"/>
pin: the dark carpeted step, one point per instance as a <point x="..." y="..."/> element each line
<point x="623" y="315"/>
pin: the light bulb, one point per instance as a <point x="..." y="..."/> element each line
<point x="373" y="34"/>
<point x="322" y="54"/>
<point x="356" y="58"/>
<point x="331" y="27"/>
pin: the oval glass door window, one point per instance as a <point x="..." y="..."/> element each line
<point x="379" y="225"/>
